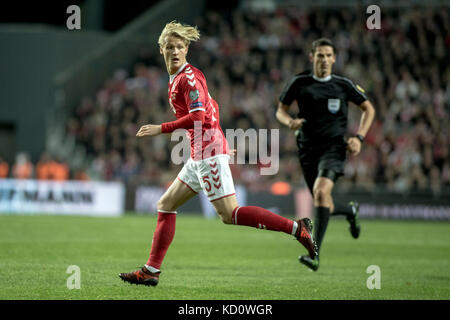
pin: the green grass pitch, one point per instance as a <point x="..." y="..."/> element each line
<point x="209" y="260"/>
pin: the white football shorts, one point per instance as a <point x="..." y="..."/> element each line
<point x="212" y="175"/>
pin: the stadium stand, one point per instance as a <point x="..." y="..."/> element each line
<point x="248" y="56"/>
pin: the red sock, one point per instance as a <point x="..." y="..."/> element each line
<point x="261" y="218"/>
<point x="162" y="238"/>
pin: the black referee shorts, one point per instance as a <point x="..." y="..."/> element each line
<point x="326" y="160"/>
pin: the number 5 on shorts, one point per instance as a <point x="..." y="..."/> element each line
<point x="207" y="183"/>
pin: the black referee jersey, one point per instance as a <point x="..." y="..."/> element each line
<point x="323" y="104"/>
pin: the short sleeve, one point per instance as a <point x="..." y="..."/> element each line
<point x="356" y="94"/>
<point x="289" y="92"/>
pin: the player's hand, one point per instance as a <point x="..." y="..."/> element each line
<point x="149" y="130"/>
<point x="295" y="124"/>
<point x="354" y="146"/>
<point x="231" y="153"/>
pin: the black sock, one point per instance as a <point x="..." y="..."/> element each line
<point x="322" y="215"/>
<point x="343" y="209"/>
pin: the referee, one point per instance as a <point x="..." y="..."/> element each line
<point x="320" y="127"/>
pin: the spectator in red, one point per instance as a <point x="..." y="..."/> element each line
<point x="23" y="168"/>
<point x="4" y="168"/>
<point x="60" y="170"/>
<point x="43" y="167"/>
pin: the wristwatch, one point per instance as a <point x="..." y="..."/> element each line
<point x="360" y="137"/>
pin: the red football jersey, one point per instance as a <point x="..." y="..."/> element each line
<point x="188" y="92"/>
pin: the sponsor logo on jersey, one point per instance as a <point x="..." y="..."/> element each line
<point x="334" y="105"/>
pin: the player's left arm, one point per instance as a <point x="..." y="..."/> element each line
<point x="195" y="101"/>
<point x="354" y="144"/>
<point x="185" y="122"/>
<point x="149" y="130"/>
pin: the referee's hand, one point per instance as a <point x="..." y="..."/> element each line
<point x="296" y="124"/>
<point x="354" y="146"/>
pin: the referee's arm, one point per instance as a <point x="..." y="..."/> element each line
<point x="284" y="117"/>
<point x="368" y="114"/>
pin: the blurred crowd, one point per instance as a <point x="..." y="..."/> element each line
<point x="47" y="168"/>
<point x="247" y="58"/>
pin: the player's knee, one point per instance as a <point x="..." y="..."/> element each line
<point x="163" y="204"/>
<point x="321" y="195"/>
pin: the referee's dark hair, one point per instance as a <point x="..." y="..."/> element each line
<point x="322" y="42"/>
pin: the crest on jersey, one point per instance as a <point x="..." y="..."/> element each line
<point x="334" y="105"/>
<point x="194" y="94"/>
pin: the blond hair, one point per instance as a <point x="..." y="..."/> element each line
<point x="175" y="29"/>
